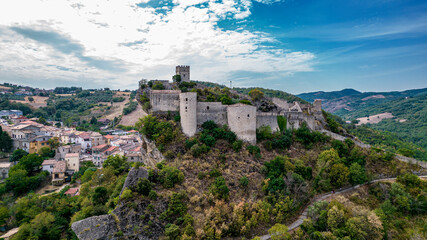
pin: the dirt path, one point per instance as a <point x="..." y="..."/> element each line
<point x="116" y="108"/>
<point x="328" y="197"/>
<point x="133" y="117"/>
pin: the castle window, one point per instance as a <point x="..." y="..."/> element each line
<point x="186" y="99"/>
<point x="185" y="107"/>
<point x="248" y="115"/>
<point x="207" y="107"/>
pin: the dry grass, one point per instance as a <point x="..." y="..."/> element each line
<point x="37" y="103"/>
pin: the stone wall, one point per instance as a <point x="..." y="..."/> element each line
<point x="188" y="112"/>
<point x="281" y="104"/>
<point x="164" y="100"/>
<point x="267" y="119"/>
<point x="215" y="111"/>
<point x="242" y="121"/>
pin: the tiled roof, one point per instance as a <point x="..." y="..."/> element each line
<point x="72" y="191"/>
<point x="60" y="167"/>
<point x="71" y="155"/>
<point x="100" y="146"/>
<point x="49" y="162"/>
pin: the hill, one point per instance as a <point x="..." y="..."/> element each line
<point x="344" y="102"/>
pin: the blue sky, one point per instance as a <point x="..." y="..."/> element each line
<point x="292" y="45"/>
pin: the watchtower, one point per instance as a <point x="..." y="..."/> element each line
<point x="184" y="71"/>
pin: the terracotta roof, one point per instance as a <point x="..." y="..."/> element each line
<point x="138" y="149"/>
<point x="72" y="191"/>
<point x="49" y="162"/>
<point x="133" y="131"/>
<point x="110" y="149"/>
<point x="100" y="146"/>
<point x="60" y="167"/>
<point x="70" y="155"/>
<point x="109" y="136"/>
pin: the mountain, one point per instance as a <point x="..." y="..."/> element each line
<point x="343" y="102"/>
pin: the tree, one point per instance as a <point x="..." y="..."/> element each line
<point x="30" y="99"/>
<point x="100" y="195"/>
<point x="176" y="78"/>
<point x="46" y="152"/>
<point x="6" y="142"/>
<point x="256" y="94"/>
<point x="339" y="174"/>
<point x="144" y="187"/>
<point x="17" y="181"/>
<point x="30" y="163"/>
<point x="17" y="155"/>
<point x="42" y="120"/>
<point x="93" y="120"/>
<point x="357" y="174"/>
<point x="54" y="142"/>
<point x="117" y="162"/>
<point x="279" y="232"/>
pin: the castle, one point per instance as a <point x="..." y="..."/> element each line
<point x="242" y="119"/>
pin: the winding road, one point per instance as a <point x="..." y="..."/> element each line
<point x="323" y="197"/>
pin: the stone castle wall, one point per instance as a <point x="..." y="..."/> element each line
<point x="214" y="111"/>
<point x="267" y="119"/>
<point x="164" y="100"/>
<point x="242" y="121"/>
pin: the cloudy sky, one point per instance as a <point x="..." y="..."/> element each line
<point x="293" y="45"/>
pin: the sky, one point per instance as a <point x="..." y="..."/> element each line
<point x="292" y="45"/>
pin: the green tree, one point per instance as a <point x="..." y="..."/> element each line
<point x="219" y="188"/>
<point x="357" y="174"/>
<point x="30" y="163"/>
<point x="6" y="142"/>
<point x="46" y="152"/>
<point x="279" y="232"/>
<point x="93" y="120"/>
<point x="144" y="186"/>
<point x="17" y="181"/>
<point x="176" y="78"/>
<point x="339" y="175"/>
<point x="30" y="99"/>
<point x="100" y="195"/>
<point x="256" y="94"/>
<point x="116" y="162"/>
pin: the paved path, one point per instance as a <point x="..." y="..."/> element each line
<point x="323" y="197"/>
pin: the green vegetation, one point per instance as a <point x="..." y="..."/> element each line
<point x="390" y="211"/>
<point x="5" y="141"/>
<point x="131" y="106"/>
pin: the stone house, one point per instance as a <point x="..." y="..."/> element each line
<point x="48" y="165"/>
<point x="4" y="169"/>
<point x="58" y="173"/>
<point x="73" y="161"/>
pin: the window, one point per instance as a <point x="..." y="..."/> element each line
<point x="248" y="115"/>
<point x="186" y="99"/>
<point x="207" y="107"/>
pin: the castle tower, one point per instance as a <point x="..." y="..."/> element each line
<point x="317" y="105"/>
<point x="242" y="121"/>
<point x="188" y="112"/>
<point x="184" y="71"/>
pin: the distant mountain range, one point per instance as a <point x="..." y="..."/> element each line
<point x="346" y="101"/>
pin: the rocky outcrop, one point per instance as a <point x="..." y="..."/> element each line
<point x="98" y="227"/>
<point x="150" y="154"/>
<point x="136" y="218"/>
<point x="133" y="177"/>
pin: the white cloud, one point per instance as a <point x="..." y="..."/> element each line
<point x="144" y="41"/>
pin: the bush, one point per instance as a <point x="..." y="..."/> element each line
<point x="172" y="231"/>
<point x="357" y="174"/>
<point x="209" y="125"/>
<point x="237" y="145"/>
<point x="208" y="140"/>
<point x="254" y="150"/>
<point x="197" y="150"/>
<point x="144" y="187"/>
<point x="158" y="86"/>
<point x="169" y="176"/>
<point x="256" y="94"/>
<point x="263" y="133"/>
<point x="219" y="188"/>
<point x="244" y="181"/>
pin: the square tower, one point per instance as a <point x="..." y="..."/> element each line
<point x="184" y="71"/>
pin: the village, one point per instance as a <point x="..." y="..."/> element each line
<point x="70" y="147"/>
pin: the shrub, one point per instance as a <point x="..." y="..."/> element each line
<point x="264" y="132"/>
<point x="219" y="188"/>
<point x="144" y="187"/>
<point x="169" y="176"/>
<point x="254" y="150"/>
<point x="158" y="86"/>
<point x="197" y="150"/>
<point x="172" y="232"/>
<point x="152" y="195"/>
<point x="237" y="145"/>
<point x="244" y="181"/>
<point x="244" y="101"/>
<point x="215" y="173"/>
<point x="281" y="121"/>
<point x="208" y="140"/>
<point x="127" y="193"/>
